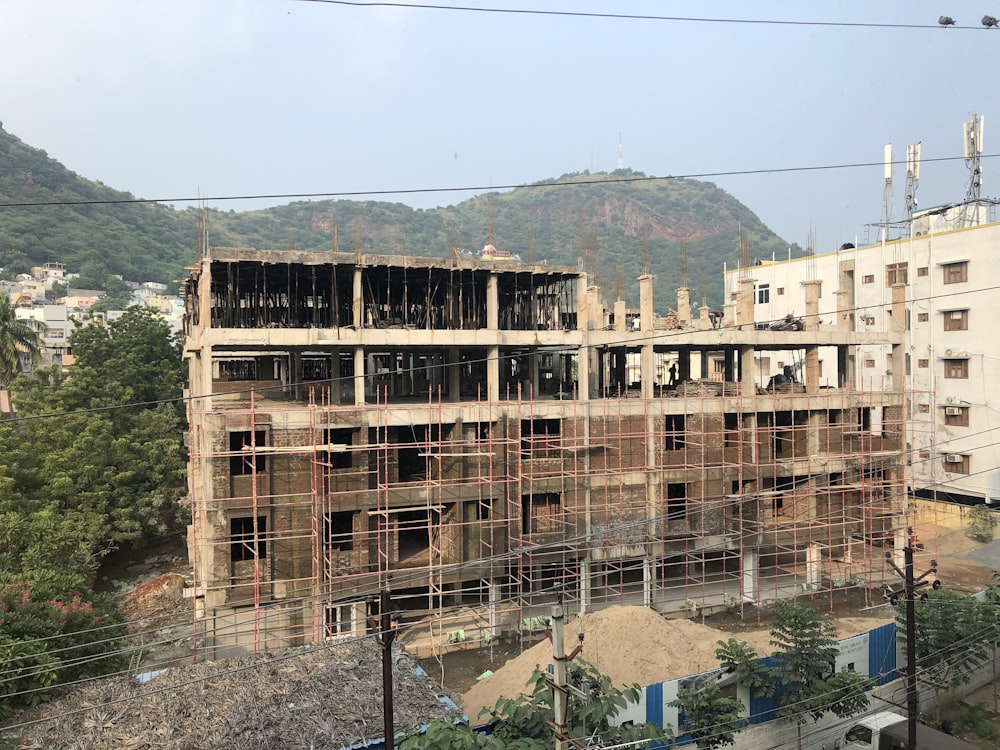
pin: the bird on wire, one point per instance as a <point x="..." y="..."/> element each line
<point x="946" y="21"/>
<point x="990" y="22"/>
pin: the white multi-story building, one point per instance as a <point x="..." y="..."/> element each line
<point x="951" y="282"/>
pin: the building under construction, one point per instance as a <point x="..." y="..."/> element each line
<point x="481" y="436"/>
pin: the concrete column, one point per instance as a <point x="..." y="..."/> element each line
<point x="749" y="564"/>
<point x="582" y="303"/>
<point x="811" y="319"/>
<point x="583" y="372"/>
<point x="359" y="376"/>
<point x="744" y="305"/>
<point x="493" y="373"/>
<point x="335" y="384"/>
<point x="358" y="308"/>
<point x="492" y="303"/>
<point x="748" y="380"/>
<point x="648" y="581"/>
<point x="811" y="375"/>
<point x="647" y="360"/>
<point x="496" y="613"/>
<point x="814" y="565"/>
<point x="596" y="309"/>
<point x="897" y="326"/>
<point x="684" y="365"/>
<point x="454" y="374"/>
<point x="704" y="321"/>
<point x="533" y="372"/>
<point x="584" y="586"/>
<point x="703" y="356"/>
<point x="845" y="321"/>
<point x="728" y="366"/>
<point x="620" y="312"/>
<point x="684" y="306"/>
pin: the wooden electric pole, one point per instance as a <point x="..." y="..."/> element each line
<point x="558" y="683"/>
<point x="910" y="586"/>
<point x="385" y="635"/>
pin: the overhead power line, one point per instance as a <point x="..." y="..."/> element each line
<point x="471" y="188"/>
<point x="645" y="16"/>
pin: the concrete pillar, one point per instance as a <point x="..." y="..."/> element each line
<point x="620" y="315"/>
<point x="496" y="612"/>
<point x="845" y="319"/>
<point x="583" y="372"/>
<point x="748" y="379"/>
<point x="454" y="374"/>
<point x="647" y="360"/>
<point x="704" y="320"/>
<point x="898" y="326"/>
<point x="703" y="356"/>
<point x="684" y="365"/>
<point x="814" y="565"/>
<point x="493" y="373"/>
<point x="684" y="306"/>
<point x="596" y="309"/>
<point x="728" y="366"/>
<point x="584" y="586"/>
<point x="749" y="564"/>
<point x="358" y="306"/>
<point x="811" y="375"/>
<point x="359" y="376"/>
<point x="744" y="305"/>
<point x="533" y="372"/>
<point x="811" y="289"/>
<point x="648" y="581"/>
<point x="492" y="303"/>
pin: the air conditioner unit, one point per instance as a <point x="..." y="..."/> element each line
<point x="949" y="352"/>
<point x="953" y="458"/>
<point x="953" y="411"/>
<point x="953" y="400"/>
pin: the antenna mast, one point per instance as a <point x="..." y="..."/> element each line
<point x="621" y="158"/>
<point x="887" y="192"/>
<point x="972" y="133"/>
<point x="912" y="180"/>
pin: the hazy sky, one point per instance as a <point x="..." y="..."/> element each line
<point x="179" y="98"/>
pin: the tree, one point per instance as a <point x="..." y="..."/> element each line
<point x="17" y="336"/>
<point x="806" y="652"/>
<point x="956" y="635"/>
<point x="710" y="718"/>
<point x="982" y="521"/>
<point x="523" y="722"/>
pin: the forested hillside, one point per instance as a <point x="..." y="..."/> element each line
<point x="603" y="219"/>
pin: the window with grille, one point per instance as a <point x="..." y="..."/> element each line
<point x="923" y="317"/>
<point x="895" y="273"/>
<point x="922" y="271"/>
<point x="956" y="320"/>
<point x="868" y="279"/>
<point x="923" y="363"/>
<point x="956" y="273"/>
<point x="956" y="369"/>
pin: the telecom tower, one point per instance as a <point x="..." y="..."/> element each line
<point x="972" y="138"/>
<point x="621" y="158"/>
<point x="887" y="193"/>
<point x="912" y="180"/>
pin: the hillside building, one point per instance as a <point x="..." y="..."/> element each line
<point x="950" y="359"/>
<point x="471" y="434"/>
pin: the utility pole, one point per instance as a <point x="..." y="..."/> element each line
<point x="385" y="635"/>
<point x="910" y="586"/>
<point x="558" y="683"/>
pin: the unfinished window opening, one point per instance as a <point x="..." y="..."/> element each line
<point x="540" y="513"/>
<point x="238" y="369"/>
<point x="536" y="301"/>
<point x="245" y="542"/>
<point x="338" y="459"/>
<point x="315" y="368"/>
<point x="338" y="620"/>
<point x="338" y="531"/>
<point x="413" y="535"/>
<point x="865" y="419"/>
<point x="677" y="501"/>
<point x="413" y="449"/>
<point x="540" y="438"/>
<point x="674" y="432"/>
<point x="244" y="443"/>
<point x="731" y="427"/>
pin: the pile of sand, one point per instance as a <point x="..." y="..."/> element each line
<point x="631" y="645"/>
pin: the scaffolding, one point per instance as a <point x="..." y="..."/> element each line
<point x="482" y="477"/>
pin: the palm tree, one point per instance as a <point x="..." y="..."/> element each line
<point x="17" y="336"/>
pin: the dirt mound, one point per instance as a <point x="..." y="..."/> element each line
<point x="633" y="645"/>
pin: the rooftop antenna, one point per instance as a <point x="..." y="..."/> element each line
<point x="619" y="283"/>
<point x="912" y="180"/>
<point x="887" y="192"/>
<point x="644" y="250"/>
<point x="744" y="249"/>
<point x="335" y="245"/>
<point x="531" y="243"/>
<point x="357" y="238"/>
<point x="621" y="158"/>
<point x="972" y="136"/>
<point x="491" y="239"/>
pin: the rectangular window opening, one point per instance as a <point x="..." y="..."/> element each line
<point x="242" y="538"/>
<point x="245" y="443"/>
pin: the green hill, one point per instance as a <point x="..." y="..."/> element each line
<point x="603" y="219"/>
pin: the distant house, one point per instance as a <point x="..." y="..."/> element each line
<point x="82" y="299"/>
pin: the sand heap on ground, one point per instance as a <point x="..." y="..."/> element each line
<point x="631" y="645"/>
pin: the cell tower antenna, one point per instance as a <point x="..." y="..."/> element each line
<point x="912" y="180"/>
<point x="621" y="157"/>
<point x="887" y="192"/>
<point x="972" y="136"/>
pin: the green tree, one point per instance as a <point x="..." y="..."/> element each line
<point x="982" y="522"/>
<point x="523" y="722"/>
<point x="956" y="635"/>
<point x="17" y="335"/>
<point x="710" y="718"/>
<point x="806" y="652"/>
<point x="740" y="658"/>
